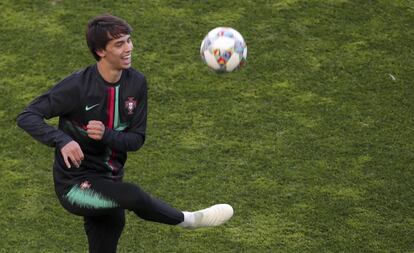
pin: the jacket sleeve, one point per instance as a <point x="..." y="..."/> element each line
<point x="134" y="137"/>
<point x="58" y="101"/>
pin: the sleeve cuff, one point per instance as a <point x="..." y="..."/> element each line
<point x="63" y="140"/>
<point x="106" y="135"/>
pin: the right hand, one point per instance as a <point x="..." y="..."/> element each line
<point x="72" y="152"/>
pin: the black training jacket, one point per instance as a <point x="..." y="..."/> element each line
<point x="85" y="96"/>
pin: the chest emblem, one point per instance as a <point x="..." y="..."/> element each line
<point x="130" y="105"/>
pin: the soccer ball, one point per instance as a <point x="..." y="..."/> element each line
<point x="223" y="49"/>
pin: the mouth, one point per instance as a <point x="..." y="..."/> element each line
<point x="126" y="59"/>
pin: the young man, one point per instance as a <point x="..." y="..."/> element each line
<point x="102" y="112"/>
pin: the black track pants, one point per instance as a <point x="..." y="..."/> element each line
<point x="102" y="203"/>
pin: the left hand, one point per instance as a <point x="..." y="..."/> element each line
<point x="95" y="129"/>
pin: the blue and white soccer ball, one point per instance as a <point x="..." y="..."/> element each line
<point x="223" y="49"/>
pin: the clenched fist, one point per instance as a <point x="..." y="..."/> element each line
<point x="95" y="129"/>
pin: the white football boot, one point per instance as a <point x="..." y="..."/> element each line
<point x="211" y="216"/>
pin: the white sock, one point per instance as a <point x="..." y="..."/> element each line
<point x="188" y="220"/>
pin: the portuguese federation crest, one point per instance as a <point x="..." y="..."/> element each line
<point x="130" y="105"/>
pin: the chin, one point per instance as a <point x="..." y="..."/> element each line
<point x="127" y="66"/>
<point x="122" y="67"/>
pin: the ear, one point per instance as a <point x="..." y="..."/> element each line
<point x="101" y="53"/>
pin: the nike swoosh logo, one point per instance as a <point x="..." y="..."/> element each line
<point x="87" y="108"/>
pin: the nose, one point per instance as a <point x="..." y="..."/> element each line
<point x="129" y="46"/>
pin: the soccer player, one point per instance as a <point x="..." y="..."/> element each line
<point x="102" y="112"/>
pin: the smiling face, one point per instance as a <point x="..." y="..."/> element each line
<point x="117" y="53"/>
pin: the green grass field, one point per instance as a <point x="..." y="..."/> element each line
<point x="312" y="143"/>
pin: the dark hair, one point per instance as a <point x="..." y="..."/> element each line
<point x="102" y="29"/>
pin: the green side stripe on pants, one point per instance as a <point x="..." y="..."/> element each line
<point x="89" y="198"/>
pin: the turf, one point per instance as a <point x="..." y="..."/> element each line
<point x="312" y="142"/>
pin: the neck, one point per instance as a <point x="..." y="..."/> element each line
<point x="109" y="74"/>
